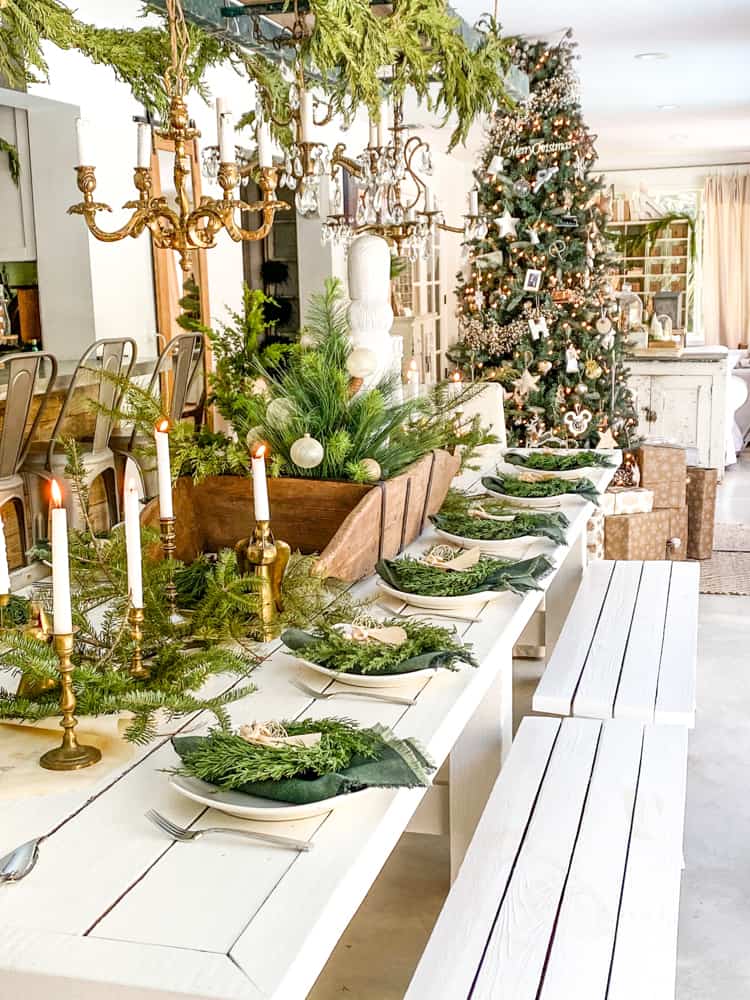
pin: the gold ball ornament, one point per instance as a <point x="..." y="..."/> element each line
<point x="372" y="469"/>
<point x="544" y="366"/>
<point x="592" y="368"/>
<point x="362" y="362"/>
<point x="306" y="452"/>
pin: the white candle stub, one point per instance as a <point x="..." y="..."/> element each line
<point x="133" y="537"/>
<point x="62" y="613"/>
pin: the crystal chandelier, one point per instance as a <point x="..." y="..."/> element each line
<point x="186" y="228"/>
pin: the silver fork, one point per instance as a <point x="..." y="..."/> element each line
<point x="184" y="835"/>
<point x="325" y="695"/>
<point x="425" y="614"/>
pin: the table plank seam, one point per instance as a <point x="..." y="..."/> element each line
<point x="627" y="643"/>
<point x="625" y="868"/>
<point x="512" y="869"/>
<point x="585" y="660"/>
<point x="663" y="637"/>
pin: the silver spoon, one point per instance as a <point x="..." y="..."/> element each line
<point x="18" y="864"/>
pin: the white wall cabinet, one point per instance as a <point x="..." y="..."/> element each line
<point x="684" y="401"/>
<point x="17" y="234"/>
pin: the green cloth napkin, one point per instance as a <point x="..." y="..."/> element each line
<point x="296" y="639"/>
<point x="544" y="489"/>
<point x="399" y="764"/>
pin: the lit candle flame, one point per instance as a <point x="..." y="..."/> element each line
<point x="162" y="426"/>
<point x="456" y="376"/>
<point x="56" y="494"/>
<point x="260" y="451"/>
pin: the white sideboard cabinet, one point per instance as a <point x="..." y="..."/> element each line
<point x="684" y="400"/>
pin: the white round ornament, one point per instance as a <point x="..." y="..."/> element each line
<point x="603" y="325"/>
<point x="362" y="362"/>
<point x="280" y="411"/>
<point x="372" y="468"/>
<point x="306" y="452"/>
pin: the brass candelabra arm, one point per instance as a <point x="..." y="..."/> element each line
<point x="89" y="208"/>
<point x="268" y="207"/>
<point x="339" y="159"/>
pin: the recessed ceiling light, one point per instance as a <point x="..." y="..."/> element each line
<point x="667" y="107"/>
<point x="651" y="56"/>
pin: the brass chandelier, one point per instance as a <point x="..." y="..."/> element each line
<point x="186" y="228"/>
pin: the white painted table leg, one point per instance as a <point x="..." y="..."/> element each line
<point x="476" y="759"/>
<point x="562" y="591"/>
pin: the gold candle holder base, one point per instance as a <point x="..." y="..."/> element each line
<point x="168" y="530"/>
<point x="39" y="628"/>
<point x="266" y="558"/>
<point x="70" y="755"/>
<point x="135" y="620"/>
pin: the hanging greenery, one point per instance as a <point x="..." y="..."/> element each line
<point x="14" y="161"/>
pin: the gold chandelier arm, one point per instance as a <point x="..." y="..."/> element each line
<point x="224" y="209"/>
<point x="88" y="208"/>
<point x="339" y="159"/>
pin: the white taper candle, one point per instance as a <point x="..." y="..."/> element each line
<point x="63" y="615"/>
<point x="85" y="143"/>
<point x="133" y="537"/>
<point x="163" y="470"/>
<point x="260" y="484"/>
<point x="308" y="122"/>
<point x="144" y="145"/>
<point x="225" y="126"/>
<point x="4" y="574"/>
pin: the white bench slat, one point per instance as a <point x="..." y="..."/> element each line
<point x="578" y="968"/>
<point x="645" y="957"/>
<point x="517" y="948"/>
<point x="636" y="695"/>
<point x="554" y="693"/>
<point x="595" y="697"/>
<point x="449" y="965"/>
<point x="675" y="699"/>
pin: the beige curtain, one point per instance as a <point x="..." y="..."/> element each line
<point x="726" y="260"/>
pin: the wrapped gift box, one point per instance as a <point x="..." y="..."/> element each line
<point x="677" y="543"/>
<point x="701" y="504"/>
<point x="670" y="493"/>
<point x="626" y="500"/>
<point x="637" y="536"/>
<point x="659" y="463"/>
<point x="595" y="536"/>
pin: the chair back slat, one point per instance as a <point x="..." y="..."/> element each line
<point x="186" y="353"/>
<point x="24" y="372"/>
<point x="103" y="357"/>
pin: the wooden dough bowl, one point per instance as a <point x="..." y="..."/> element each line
<point x="351" y="526"/>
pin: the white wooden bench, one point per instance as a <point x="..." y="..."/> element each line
<point x="570" y="887"/>
<point x="628" y="648"/>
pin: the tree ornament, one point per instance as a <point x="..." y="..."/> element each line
<point x="538" y="327"/>
<point x="604" y="323"/>
<point x="362" y="363"/>
<point x="371" y="468"/>
<point x="581" y="389"/>
<point x="544" y="366"/>
<point x="571" y="359"/>
<point x="496" y="165"/>
<point x="526" y="384"/>
<point x="606" y="440"/>
<point x="592" y="369"/>
<point x="542" y="176"/>
<point x="521" y="187"/>
<point x="506" y="224"/>
<point x="306" y="452"/>
<point x="533" y="236"/>
<point x="280" y="412"/>
<point x="577" y="420"/>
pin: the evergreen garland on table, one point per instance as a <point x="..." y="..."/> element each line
<point x="464" y="515"/>
<point x="514" y="486"/>
<point x="327" y="646"/>
<point x="412" y="576"/>
<point x="546" y="212"/>
<point x="560" y="461"/>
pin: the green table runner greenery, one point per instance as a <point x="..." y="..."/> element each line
<point x="347" y="759"/>
<point x="461" y="515"/>
<point x="512" y="486"/>
<point x="426" y="646"/>
<point x="414" y="577"/>
<point x="563" y="461"/>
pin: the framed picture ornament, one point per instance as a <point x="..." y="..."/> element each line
<point x="533" y="280"/>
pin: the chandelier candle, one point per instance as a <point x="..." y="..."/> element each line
<point x="144" y="145"/>
<point x="86" y="156"/>
<point x="226" y="130"/>
<point x="69" y="756"/>
<point x="265" y="152"/>
<point x="307" y="122"/>
<point x="135" y="571"/>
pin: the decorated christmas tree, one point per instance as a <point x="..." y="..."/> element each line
<point x="535" y="304"/>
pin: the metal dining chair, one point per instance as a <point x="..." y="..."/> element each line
<point x="102" y="358"/>
<point x="26" y="380"/>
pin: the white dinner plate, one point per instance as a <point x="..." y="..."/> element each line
<point x="523" y="547"/>
<point x="535" y="503"/>
<point x="443" y="603"/>
<point x="250" y="806"/>
<point x="369" y="680"/>
<point x="508" y="468"/>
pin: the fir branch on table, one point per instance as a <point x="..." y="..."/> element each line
<point x="328" y="647"/>
<point x="560" y="461"/>
<point x="455" y="518"/>
<point x="411" y="576"/>
<point x="513" y="486"/>
<point x="228" y="761"/>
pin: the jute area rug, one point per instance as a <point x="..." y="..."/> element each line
<point x="728" y="570"/>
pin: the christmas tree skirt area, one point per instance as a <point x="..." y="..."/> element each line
<point x="726" y="573"/>
<point x="732" y="538"/>
<point x="350" y="525"/>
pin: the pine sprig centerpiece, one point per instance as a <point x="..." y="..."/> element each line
<point x="514" y="486"/>
<point x="335" y="757"/>
<point x="413" y="576"/>
<point x="425" y="646"/>
<point x="560" y="461"/>
<point x="486" y="519"/>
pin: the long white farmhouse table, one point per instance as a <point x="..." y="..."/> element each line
<point x="114" y="909"/>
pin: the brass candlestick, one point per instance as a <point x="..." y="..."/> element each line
<point x="169" y="547"/>
<point x="70" y="755"/>
<point x="266" y="559"/>
<point x="40" y="629"/>
<point x="135" y="620"/>
<point x="4" y="602"/>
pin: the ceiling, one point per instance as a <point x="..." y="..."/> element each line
<point x="707" y="74"/>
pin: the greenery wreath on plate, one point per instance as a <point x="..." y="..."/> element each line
<point x="478" y="517"/>
<point x="425" y="646"/>
<point x="514" y="486"/>
<point x="563" y="461"/>
<point x="413" y="576"/>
